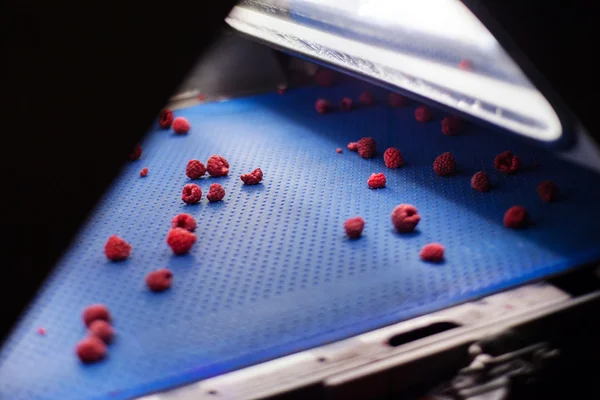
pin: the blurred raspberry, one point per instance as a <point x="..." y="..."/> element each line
<point x="352" y="146"/>
<point x="338" y="150"/>
<point x="165" y="119"/>
<point x="324" y="77"/>
<point x="432" y="252"/>
<point x="281" y="88"/>
<point x="159" y="280"/>
<point x="323" y="106"/>
<point x="548" y="191"/>
<point x="481" y="182"/>
<point x="116" y="249"/>
<point x="90" y="350"/>
<point x="405" y="218"/>
<point x="396" y="100"/>
<point x="515" y="217"/>
<point x="507" y="163"/>
<point x="195" y="169"/>
<point x="136" y="153"/>
<point x="423" y="114"/>
<point x="393" y="158"/>
<point x="185" y="221"/>
<point x="217" y="166"/>
<point x="367" y="147"/>
<point x="346" y="104"/>
<point x="215" y="193"/>
<point x="144" y="172"/>
<point x="191" y="193"/>
<point x="465" y="65"/>
<point x="95" y="312"/>
<point x="366" y="99"/>
<point x="180" y="240"/>
<point x="354" y="227"/>
<point x="376" y="181"/>
<point x="253" y="177"/>
<point x="451" y="126"/>
<point x="445" y="164"/>
<point x="41" y="331"/>
<point x="102" y="330"/>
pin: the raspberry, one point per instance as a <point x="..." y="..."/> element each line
<point x="396" y="100"/>
<point x="144" y="173"/>
<point x="116" y="249"/>
<point x="451" y="126"/>
<point x="515" y="217"/>
<point x="366" y="98"/>
<point x="324" y="77"/>
<point x="507" y="163"/>
<point x="376" y="181"/>
<point x="217" y="166"/>
<point x="102" y="330"/>
<point x="445" y="164"/>
<point x="191" y="193"/>
<point x="423" y="114"/>
<point x="281" y="88"/>
<point x="432" y="252"/>
<point x="90" y="350"/>
<point x="185" y="221"/>
<point x="195" y="169"/>
<point x="354" y="227"/>
<point x="548" y="191"/>
<point x="41" y="331"/>
<point x="323" y="106"/>
<point x="95" y="312"/>
<point x="405" y="217"/>
<point x="352" y="146"/>
<point x="136" y="153"/>
<point x="159" y="280"/>
<point x="346" y="104"/>
<point x="181" y="125"/>
<point x="215" y="193"/>
<point x="253" y="177"/>
<point x="465" y="65"/>
<point x="180" y="240"/>
<point x="481" y="182"/>
<point x="338" y="150"/>
<point x="165" y="119"/>
<point x="393" y="158"/>
<point x="367" y="147"/>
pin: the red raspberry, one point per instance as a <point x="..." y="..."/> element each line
<point x="346" y="104"/>
<point x="90" y="350"/>
<point x="144" y="173"/>
<point x="376" y="181"/>
<point x="116" y="249"/>
<point x="102" y="330"/>
<point x="366" y="98"/>
<point x="354" y="227"/>
<point x="515" y="217"/>
<point x="352" y="146"/>
<point x="41" y="331"/>
<point x="180" y="240"/>
<point x="253" y="177"/>
<point x="445" y="164"/>
<point x="195" y="169"/>
<point x="548" y="191"/>
<point x="451" y="126"/>
<point x="367" y="147"/>
<point x="217" y="166"/>
<point x="393" y="158"/>
<point x="465" y="65"/>
<point x="507" y="163"/>
<point x="432" y="252"/>
<point x="481" y="182"/>
<point x="159" y="280"/>
<point x="95" y="312"/>
<point x="338" y="150"/>
<point x="165" y="119"/>
<point x="215" y="193"/>
<point x="423" y="114"/>
<point x="323" y="106"/>
<point x="396" y="100"/>
<point x="181" y="125"/>
<point x="136" y="153"/>
<point x="324" y="77"/>
<point x="191" y="193"/>
<point x="405" y="218"/>
<point x="185" y="221"/>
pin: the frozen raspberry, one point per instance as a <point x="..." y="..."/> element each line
<point x="159" y="280"/>
<point x="432" y="252"/>
<point x="515" y="217"/>
<point x="346" y="104"/>
<point x="181" y="125"/>
<point x="116" y="249"/>
<point x="90" y="350"/>
<point x="354" y="227"/>
<point x="352" y="146"/>
<point x="396" y="100"/>
<point x="41" y="331"/>
<point x="324" y="77"/>
<point x="215" y="193"/>
<point x="191" y="193"/>
<point x="451" y="126"/>
<point x="507" y="163"/>
<point x="445" y="164"/>
<point x="548" y="191"/>
<point x="366" y="98"/>
<point x="323" y="106"/>
<point x="481" y="182"/>
<point x="180" y="240"/>
<point x="95" y="312"/>
<point x="165" y="119"/>
<point x="338" y="150"/>
<point x="102" y="330"/>
<point x="465" y="65"/>
<point x="423" y="114"/>
<point x="367" y="147"/>
<point x="253" y="177"/>
<point x="195" y="169"/>
<point x="217" y="166"/>
<point x="393" y="158"/>
<point x="136" y="153"/>
<point x="144" y="172"/>
<point x="376" y="181"/>
<point x="185" y="221"/>
<point x="405" y="217"/>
